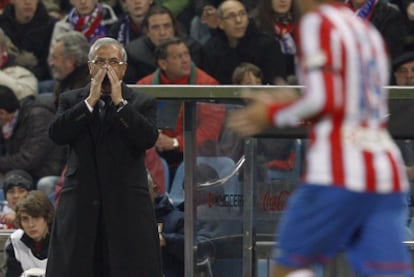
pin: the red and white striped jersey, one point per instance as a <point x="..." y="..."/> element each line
<point x="344" y="67"/>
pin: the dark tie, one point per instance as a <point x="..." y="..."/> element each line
<point x="104" y="104"/>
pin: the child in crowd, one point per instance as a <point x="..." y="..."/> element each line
<point x="27" y="247"/>
<point x="17" y="184"/>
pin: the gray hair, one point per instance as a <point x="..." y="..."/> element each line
<point x="76" y="46"/>
<point x="106" y="41"/>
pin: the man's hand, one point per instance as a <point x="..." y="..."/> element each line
<point x="116" y="85"/>
<point x="164" y="143"/>
<point x="95" y="91"/>
<point x="8" y="218"/>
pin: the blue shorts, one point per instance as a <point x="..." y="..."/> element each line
<point x="321" y="221"/>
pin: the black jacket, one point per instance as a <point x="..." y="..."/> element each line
<point x="105" y="192"/>
<point x="255" y="47"/>
<point x="30" y="147"/>
<point x="33" y="37"/>
<point x="390" y="23"/>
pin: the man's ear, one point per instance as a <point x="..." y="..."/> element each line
<point x="162" y="64"/>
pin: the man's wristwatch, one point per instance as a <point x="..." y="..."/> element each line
<point x="121" y="105"/>
<point x="175" y="143"/>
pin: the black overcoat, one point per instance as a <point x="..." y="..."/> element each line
<point x="106" y="175"/>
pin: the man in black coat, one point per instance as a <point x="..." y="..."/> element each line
<point x="24" y="140"/>
<point x="237" y="40"/>
<point x="105" y="223"/>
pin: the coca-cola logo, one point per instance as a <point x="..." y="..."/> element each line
<point x="276" y="201"/>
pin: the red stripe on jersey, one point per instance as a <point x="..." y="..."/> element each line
<point x="328" y="76"/>
<point x="395" y="176"/>
<point x="370" y="179"/>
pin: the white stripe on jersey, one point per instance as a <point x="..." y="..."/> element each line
<point x="344" y="67"/>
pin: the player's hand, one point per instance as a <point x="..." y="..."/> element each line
<point x="253" y="119"/>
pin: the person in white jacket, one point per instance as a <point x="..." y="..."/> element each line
<point x="27" y="247"/>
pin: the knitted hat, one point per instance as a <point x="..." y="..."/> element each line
<point x="8" y="100"/>
<point x="17" y="177"/>
<point x="402" y="59"/>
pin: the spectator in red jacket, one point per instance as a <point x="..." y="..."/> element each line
<point x="175" y="67"/>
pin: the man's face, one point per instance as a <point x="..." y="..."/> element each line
<point x="111" y="56"/>
<point x="34" y="226"/>
<point x="83" y="7"/>
<point x="178" y="61"/>
<point x="209" y="16"/>
<point x="14" y="195"/>
<point x="5" y="117"/>
<point x="137" y="8"/>
<point x="281" y="6"/>
<point x="25" y="10"/>
<point x="404" y="75"/>
<point x="60" y="66"/>
<point x="234" y="20"/>
<point x="160" y="27"/>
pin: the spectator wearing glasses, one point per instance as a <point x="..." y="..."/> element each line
<point x="107" y="128"/>
<point x="237" y="40"/>
<point x="17" y="183"/>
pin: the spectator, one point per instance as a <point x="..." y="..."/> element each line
<point x="181" y="10"/>
<point x="107" y="128"/>
<point x="129" y="26"/>
<point x="159" y="24"/>
<point x="237" y="41"/>
<point x="27" y="247"/>
<point x="170" y="222"/>
<point x="275" y="154"/>
<point x="68" y="62"/>
<point x="17" y="184"/>
<point x="247" y="74"/>
<point x="24" y="136"/>
<point x="206" y="21"/>
<point x="387" y="19"/>
<point x="89" y="17"/>
<point x="29" y="27"/>
<point x="279" y="18"/>
<point x="403" y="69"/>
<point x="176" y="68"/>
<point x="13" y="75"/>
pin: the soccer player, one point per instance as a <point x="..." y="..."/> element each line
<point x="354" y="188"/>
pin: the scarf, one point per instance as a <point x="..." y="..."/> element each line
<point x="365" y="11"/>
<point x="127" y="27"/>
<point x="283" y="32"/>
<point x="90" y="25"/>
<point x="160" y="78"/>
